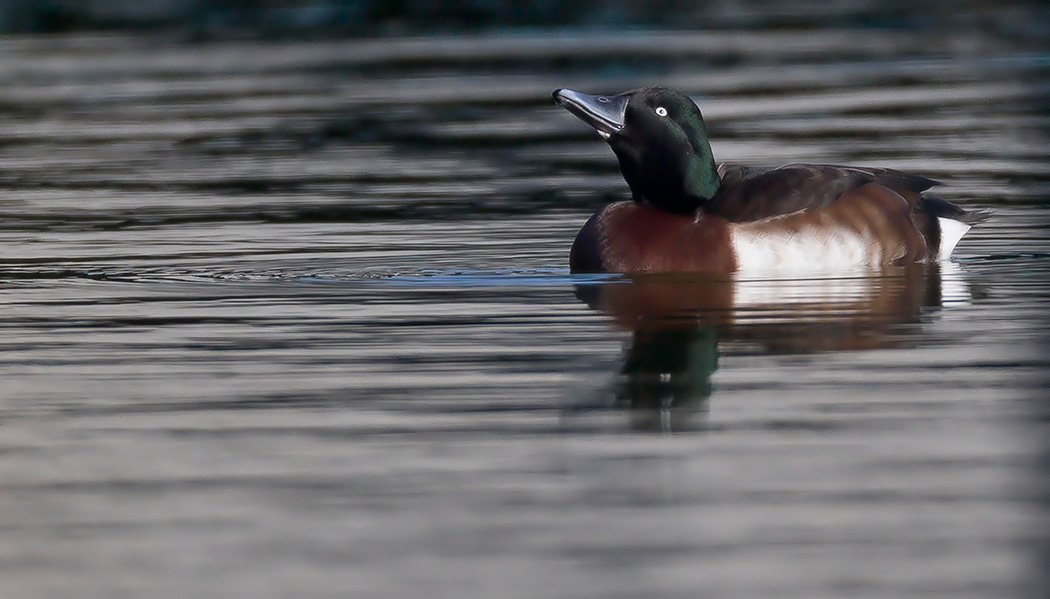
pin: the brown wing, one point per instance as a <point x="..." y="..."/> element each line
<point x="750" y="194"/>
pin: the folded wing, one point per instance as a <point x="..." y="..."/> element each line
<point x="751" y="194"/>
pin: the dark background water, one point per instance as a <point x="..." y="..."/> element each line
<point x="286" y="308"/>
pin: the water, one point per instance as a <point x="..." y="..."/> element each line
<point x="294" y="319"/>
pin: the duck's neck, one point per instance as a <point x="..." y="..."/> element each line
<point x="701" y="176"/>
<point x="679" y="179"/>
<point x="699" y="182"/>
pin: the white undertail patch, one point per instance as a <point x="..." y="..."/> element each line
<point x="951" y="232"/>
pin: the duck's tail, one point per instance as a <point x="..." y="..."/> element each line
<point x="944" y="223"/>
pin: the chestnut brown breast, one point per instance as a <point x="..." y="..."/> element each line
<point x="630" y="237"/>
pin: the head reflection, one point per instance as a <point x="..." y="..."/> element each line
<point x="667" y="375"/>
<point x="681" y="324"/>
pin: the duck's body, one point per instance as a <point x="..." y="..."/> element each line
<point x="879" y="221"/>
<point x="688" y="214"/>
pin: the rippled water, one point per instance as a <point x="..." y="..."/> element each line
<point x="287" y="319"/>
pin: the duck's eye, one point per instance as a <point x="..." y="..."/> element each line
<point x="660" y="110"/>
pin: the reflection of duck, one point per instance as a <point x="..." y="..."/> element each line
<point x="678" y="323"/>
<point x="667" y="375"/>
<point x="689" y="215"/>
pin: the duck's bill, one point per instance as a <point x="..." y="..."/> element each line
<point x="604" y="113"/>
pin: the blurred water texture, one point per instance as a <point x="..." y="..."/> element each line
<point x="290" y="315"/>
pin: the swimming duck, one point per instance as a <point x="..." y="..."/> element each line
<point x="689" y="214"/>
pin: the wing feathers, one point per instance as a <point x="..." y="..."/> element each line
<point x="752" y="193"/>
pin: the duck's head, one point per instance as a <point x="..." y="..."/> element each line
<point x="659" y="137"/>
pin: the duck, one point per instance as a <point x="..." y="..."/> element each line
<point x="688" y="213"/>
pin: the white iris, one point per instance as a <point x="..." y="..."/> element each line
<point x="660" y="110"/>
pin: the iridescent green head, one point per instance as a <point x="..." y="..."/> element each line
<point x="660" y="139"/>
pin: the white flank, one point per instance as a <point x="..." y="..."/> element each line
<point x="951" y="232"/>
<point x="775" y="254"/>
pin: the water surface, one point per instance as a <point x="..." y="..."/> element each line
<point x="287" y="319"/>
